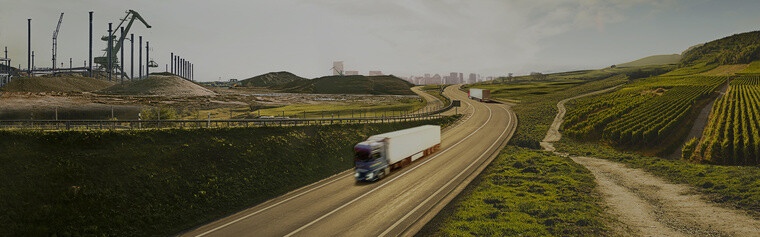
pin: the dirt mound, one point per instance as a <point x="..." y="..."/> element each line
<point x="56" y="84"/>
<point x="173" y="86"/>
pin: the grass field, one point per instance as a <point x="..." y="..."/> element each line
<point x="524" y="192"/>
<point x="160" y="182"/>
<point x="753" y="67"/>
<point x="736" y="186"/>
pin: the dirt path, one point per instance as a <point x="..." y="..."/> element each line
<point x="699" y="124"/>
<point x="646" y="205"/>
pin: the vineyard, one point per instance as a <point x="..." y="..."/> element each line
<point x="732" y="135"/>
<point x="641" y="114"/>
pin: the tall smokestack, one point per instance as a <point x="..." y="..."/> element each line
<point x="90" y="58"/>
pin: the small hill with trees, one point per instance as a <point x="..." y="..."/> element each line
<point x="271" y="79"/>
<point x="736" y="49"/>
<point x="356" y="84"/>
<point x="653" y="60"/>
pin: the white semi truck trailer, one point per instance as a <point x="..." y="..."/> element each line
<point x="483" y="95"/>
<point x="379" y="154"/>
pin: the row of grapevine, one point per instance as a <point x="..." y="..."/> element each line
<point x="642" y="114"/>
<point x="732" y="135"/>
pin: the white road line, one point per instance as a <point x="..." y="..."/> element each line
<point x="267" y="208"/>
<point x="310" y="190"/>
<point x="450" y="181"/>
<point x="490" y="114"/>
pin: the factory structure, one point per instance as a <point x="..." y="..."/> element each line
<point x="111" y="65"/>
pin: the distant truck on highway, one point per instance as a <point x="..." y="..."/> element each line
<point x="483" y="95"/>
<point x="379" y="154"/>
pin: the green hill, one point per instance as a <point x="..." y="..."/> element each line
<point x="736" y="49"/>
<point x="653" y="60"/>
<point x="375" y="85"/>
<point x="271" y="79"/>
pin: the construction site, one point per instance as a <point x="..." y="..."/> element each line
<point x="110" y="86"/>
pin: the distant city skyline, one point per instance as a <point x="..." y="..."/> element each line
<point x="488" y="37"/>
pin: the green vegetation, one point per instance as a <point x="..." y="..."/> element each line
<point x="732" y="135"/>
<point x="56" y="84"/>
<point x="375" y="85"/>
<point x="653" y="60"/>
<point x="737" y="186"/>
<point x="537" y="110"/>
<point x="160" y="182"/>
<point x="270" y="79"/>
<point x="753" y="68"/>
<point x="524" y="192"/>
<point x="736" y="49"/>
<point x="642" y="114"/>
<point x="586" y="75"/>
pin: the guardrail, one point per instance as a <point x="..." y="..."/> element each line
<point x="213" y="123"/>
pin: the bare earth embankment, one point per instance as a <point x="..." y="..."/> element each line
<point x="646" y="205"/>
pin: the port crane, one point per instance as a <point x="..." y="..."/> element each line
<point x="103" y="61"/>
<point x="55" y="40"/>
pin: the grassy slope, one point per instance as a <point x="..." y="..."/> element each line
<point x="56" y="84"/>
<point x="753" y="67"/>
<point x="653" y="60"/>
<point x="160" y="182"/>
<point x="524" y="192"/>
<point x="733" y="185"/>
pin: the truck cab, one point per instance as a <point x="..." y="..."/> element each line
<point x="370" y="163"/>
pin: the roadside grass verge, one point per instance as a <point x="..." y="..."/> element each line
<point x="736" y="186"/>
<point x="524" y="192"/>
<point x="161" y="182"/>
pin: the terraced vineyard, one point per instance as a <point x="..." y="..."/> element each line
<point x="642" y="114"/>
<point x="732" y="135"/>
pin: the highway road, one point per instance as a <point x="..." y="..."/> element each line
<point x="398" y="205"/>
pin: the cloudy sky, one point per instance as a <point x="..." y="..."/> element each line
<point x="238" y="38"/>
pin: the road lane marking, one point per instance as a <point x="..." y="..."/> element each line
<point x="490" y="115"/>
<point x="450" y="181"/>
<point x="320" y="186"/>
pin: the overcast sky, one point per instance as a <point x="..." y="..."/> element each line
<point x="240" y="39"/>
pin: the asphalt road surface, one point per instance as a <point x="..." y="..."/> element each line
<point x="399" y="204"/>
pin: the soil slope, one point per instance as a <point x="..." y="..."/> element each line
<point x="56" y="84"/>
<point x="172" y="86"/>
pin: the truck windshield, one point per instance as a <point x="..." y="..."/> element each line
<point x="362" y="155"/>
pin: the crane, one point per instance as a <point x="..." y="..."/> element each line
<point x="336" y="70"/>
<point x="55" y="39"/>
<point x="103" y="61"/>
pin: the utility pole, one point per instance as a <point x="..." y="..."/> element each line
<point x="139" y="60"/>
<point x="71" y="64"/>
<point x="172" y="62"/>
<point x="110" y="39"/>
<point x="147" y="58"/>
<point x="32" y="61"/>
<point x="29" y="47"/>
<point x="121" y="63"/>
<point x="132" y="57"/>
<point x="90" y="57"/>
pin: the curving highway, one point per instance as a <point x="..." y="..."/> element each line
<point x="399" y="204"/>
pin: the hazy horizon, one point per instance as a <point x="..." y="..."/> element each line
<point x="240" y="39"/>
